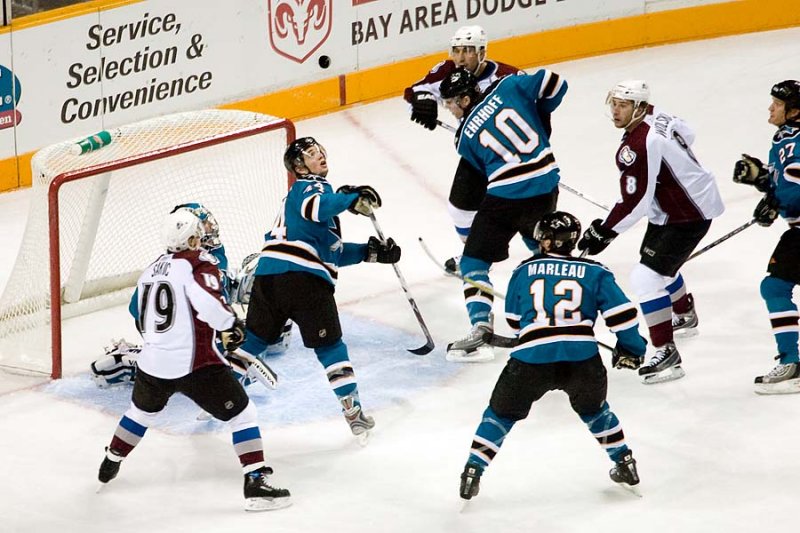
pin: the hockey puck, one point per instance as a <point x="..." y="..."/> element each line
<point x="324" y="61"/>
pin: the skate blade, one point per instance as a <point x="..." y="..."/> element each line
<point x="633" y="489"/>
<point x="669" y="374"/>
<point x="100" y="488"/>
<point x="463" y="506"/>
<point x="482" y="354"/>
<point x="204" y="416"/>
<point x="363" y="438"/>
<point x="790" y="386"/>
<point x="686" y="333"/>
<point x="266" y="504"/>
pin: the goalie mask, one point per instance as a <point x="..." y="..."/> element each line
<point x="179" y="230"/>
<point x="210" y="240"/>
<point x="293" y="156"/>
<point x="562" y="230"/>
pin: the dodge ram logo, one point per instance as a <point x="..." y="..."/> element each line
<point x="297" y="28"/>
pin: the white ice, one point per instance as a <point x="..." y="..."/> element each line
<point x="713" y="456"/>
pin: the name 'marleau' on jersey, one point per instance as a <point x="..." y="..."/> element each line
<point x="784" y="166"/>
<point x="306" y="236"/>
<point x="178" y="304"/>
<point x="504" y="136"/>
<point x="553" y="303"/>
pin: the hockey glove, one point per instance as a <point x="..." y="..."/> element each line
<point x="424" y="109"/>
<point x="233" y="337"/>
<point x="596" y="238"/>
<point x="367" y="201"/>
<point x="622" y="358"/>
<point x="751" y="171"/>
<point x="382" y="252"/>
<point x="766" y="211"/>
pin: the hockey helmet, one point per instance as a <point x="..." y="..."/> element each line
<point x="635" y="90"/>
<point x="210" y="226"/>
<point x="561" y="228"/>
<point x="293" y="156"/>
<point x="179" y="227"/>
<point x="787" y="91"/>
<point x="460" y="82"/>
<point x="470" y="36"/>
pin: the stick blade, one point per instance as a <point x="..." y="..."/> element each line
<point x="423" y="350"/>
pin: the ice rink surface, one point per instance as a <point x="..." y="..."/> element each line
<point x="713" y="456"/>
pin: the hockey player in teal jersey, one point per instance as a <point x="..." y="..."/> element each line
<point x="552" y="303"/>
<point x="299" y="265"/>
<point x="780" y="181"/>
<point x="504" y="134"/>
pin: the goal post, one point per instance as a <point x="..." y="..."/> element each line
<point x="100" y="213"/>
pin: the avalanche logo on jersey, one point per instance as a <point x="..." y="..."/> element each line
<point x="627" y="156"/>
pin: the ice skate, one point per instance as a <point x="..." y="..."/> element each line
<point x="261" y="496"/>
<point x="684" y="325"/>
<point x="360" y="424"/>
<point x="783" y="379"/>
<point x="472" y="348"/>
<point x="665" y="365"/>
<point x="624" y="473"/>
<point x="470" y="481"/>
<point x="109" y="468"/>
<point x="451" y="266"/>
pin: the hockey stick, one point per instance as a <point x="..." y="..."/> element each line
<point x="257" y="370"/>
<point x="469" y="281"/>
<point x="446" y="126"/>
<point x="500" y="341"/>
<point x="581" y="195"/>
<point x="428" y="347"/>
<point x="722" y="239"/>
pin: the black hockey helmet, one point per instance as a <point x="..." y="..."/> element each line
<point x="561" y="228"/>
<point x="293" y="156"/>
<point x="787" y="91"/>
<point x="460" y="82"/>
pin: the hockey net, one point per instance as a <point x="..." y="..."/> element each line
<point x="94" y="220"/>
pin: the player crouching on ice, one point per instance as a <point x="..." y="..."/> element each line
<point x="118" y="365"/>
<point x="180" y="310"/>
<point x="552" y="303"/>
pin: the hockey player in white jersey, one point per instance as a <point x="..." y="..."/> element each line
<point x="118" y="365"/>
<point x="180" y="311"/>
<point x="660" y="178"/>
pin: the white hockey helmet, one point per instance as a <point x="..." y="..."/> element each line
<point x="635" y="90"/>
<point x="470" y="36"/>
<point x="179" y="227"/>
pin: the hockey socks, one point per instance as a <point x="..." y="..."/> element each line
<point x="479" y="302"/>
<point x="606" y="429"/>
<point x="489" y="437"/>
<point x="338" y="368"/>
<point x="783" y="316"/>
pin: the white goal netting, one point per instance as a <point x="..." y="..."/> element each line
<point x="110" y="209"/>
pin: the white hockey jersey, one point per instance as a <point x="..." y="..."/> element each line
<point x="178" y="304"/>
<point x="660" y="177"/>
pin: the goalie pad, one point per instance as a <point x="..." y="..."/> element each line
<point x="117" y="366"/>
<point x="244" y="279"/>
